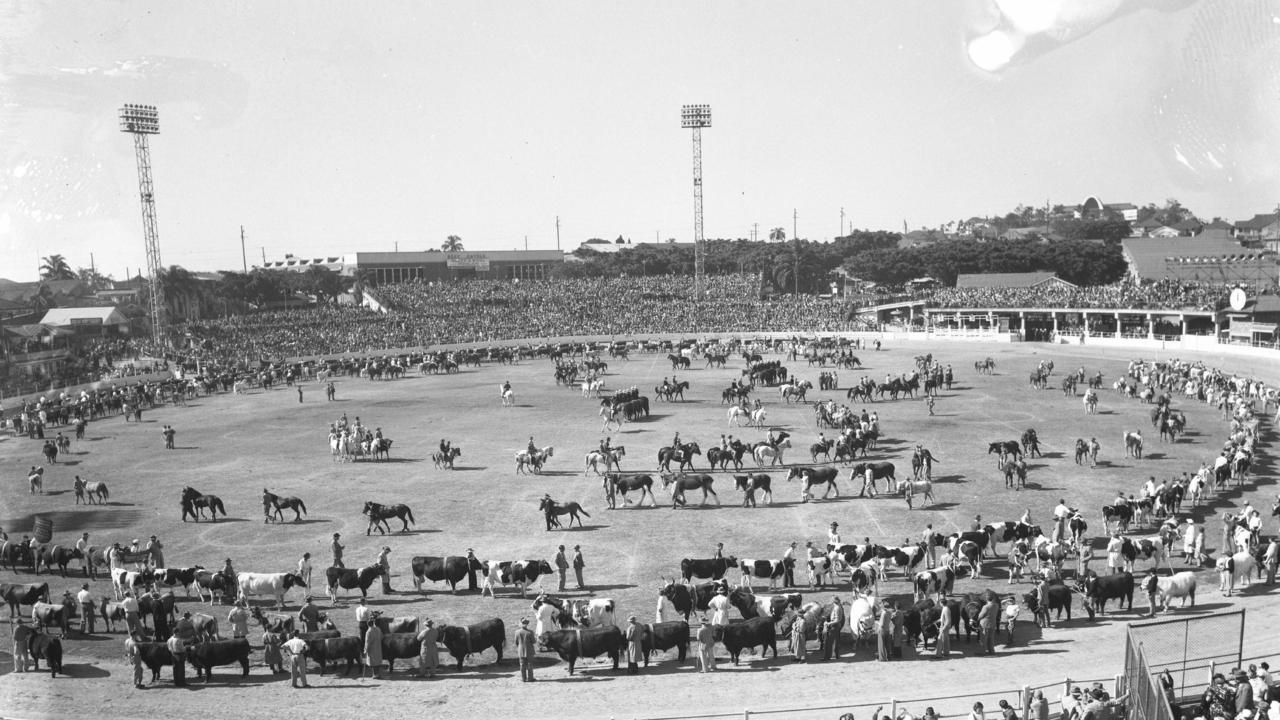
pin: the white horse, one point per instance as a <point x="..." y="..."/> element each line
<point x="771" y="454"/>
<point x="757" y="418"/>
<point x="37" y="481"/>
<point x="526" y="460"/>
<point x="917" y="487"/>
<point x="592" y="388"/>
<point x="508" y="398"/>
<point x="611" y="415"/>
<point x="736" y="413"/>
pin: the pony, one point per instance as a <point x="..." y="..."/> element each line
<point x="36" y="478"/>
<point x="911" y="488"/>
<point x="50" y="451"/>
<point x="533" y="460"/>
<point x="444" y="460"/>
<point x="195" y="502"/>
<point x="611" y="414"/>
<point x="766" y="453"/>
<point x="552" y="509"/>
<point x="736" y="413"/>
<point x="796" y="391"/>
<point x="610" y="459"/>
<point x="678" y="484"/>
<point x="274" y="505"/>
<point x="757" y="418"/>
<point x="379" y="514"/>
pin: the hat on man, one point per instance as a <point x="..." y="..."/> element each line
<point x="721" y="591"/>
<point x="337" y="535"/>
<point x="632" y="619"/>
<point x="153" y="537"/>
<point x="523" y="621"/>
<point x="577" y="547"/>
<point x="704" y="621"/>
<point x="835" y="524"/>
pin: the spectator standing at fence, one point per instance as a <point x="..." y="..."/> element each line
<point x="977" y="713"/>
<point x="1039" y="708"/>
<point x="1007" y="712"/>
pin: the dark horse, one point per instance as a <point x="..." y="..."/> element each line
<point x="273" y="504"/>
<point x="683" y="455"/>
<point x="678" y="484"/>
<point x="678" y="362"/>
<point x="1006" y="449"/>
<point x="50" y="451"/>
<point x="378" y="515"/>
<point x="550" y="508"/>
<point x="623" y="484"/>
<point x="194" y="503"/>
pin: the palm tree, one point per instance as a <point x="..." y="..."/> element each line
<point x="777" y="235"/>
<point x="55" y="267"/>
<point x="453" y="243"/>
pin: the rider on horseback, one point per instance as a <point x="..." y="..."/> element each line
<point x="506" y="387"/>
<point x="532" y="449"/>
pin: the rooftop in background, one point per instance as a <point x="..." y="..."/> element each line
<point x="61" y="317"/>
<point x="1203" y="258"/>
<point x="1009" y="280"/>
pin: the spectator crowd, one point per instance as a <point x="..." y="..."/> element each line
<point x="1160" y="295"/>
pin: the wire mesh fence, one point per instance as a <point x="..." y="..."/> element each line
<point x="1188" y="649"/>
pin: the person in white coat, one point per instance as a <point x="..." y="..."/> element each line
<point x="719" y="607"/>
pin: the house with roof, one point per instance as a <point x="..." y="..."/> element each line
<point x="1044" y="279"/>
<point x="1093" y="207"/>
<point x="1190" y="226"/>
<point x="1261" y="231"/>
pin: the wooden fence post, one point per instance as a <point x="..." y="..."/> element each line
<point x="1026" y="702"/>
<point x="893" y="709"/>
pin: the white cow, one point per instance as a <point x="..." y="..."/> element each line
<point x="268" y="584"/>
<point x="1234" y="569"/>
<point x="123" y="581"/>
<point x="597" y="612"/>
<point x="862" y="619"/>
<point x="1182" y="585"/>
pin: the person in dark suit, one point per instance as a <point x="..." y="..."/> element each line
<point x="525" y="650"/>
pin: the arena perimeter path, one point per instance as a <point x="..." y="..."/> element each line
<point x="235" y="446"/>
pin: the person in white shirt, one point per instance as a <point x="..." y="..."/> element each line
<point x="719" y="607"/>
<point x="833" y="537"/>
<point x="82" y="546"/>
<point x="1115" y="560"/>
<point x="304" y="568"/>
<point x="789" y="566"/>
<point x="85" y="598"/>
<point x="362" y="617"/>
<point x="295" y="648"/>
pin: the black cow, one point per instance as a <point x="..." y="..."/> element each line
<point x="332" y="650"/>
<point x="855" y="555"/>
<point x="52" y="556"/>
<point x="1098" y="590"/>
<point x="686" y="599"/>
<point x="155" y="655"/>
<point x="205" y="656"/>
<point x="174" y="577"/>
<point x="351" y="579"/>
<point x="16" y="595"/>
<point x="771" y="570"/>
<point x="1059" y="600"/>
<point x="147" y="606"/>
<point x="396" y="624"/>
<point x="398" y="646"/>
<point x="449" y="569"/>
<point x="755" y="632"/>
<point x="49" y="649"/>
<point x="51" y="615"/>
<point x="713" y="568"/>
<point x="919" y="618"/>
<point x="660" y="637"/>
<point x="462" y="641"/>
<point x="981" y="538"/>
<point x="585" y="642"/>
<point x="315" y="641"/>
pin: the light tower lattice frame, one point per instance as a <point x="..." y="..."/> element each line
<point x="141" y="121"/>
<point x="697" y="117"/>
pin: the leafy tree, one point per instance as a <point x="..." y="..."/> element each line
<point x="94" y="279"/>
<point x="55" y="267"/>
<point x="777" y="235"/>
<point x="324" y="283"/>
<point x="453" y="243"/>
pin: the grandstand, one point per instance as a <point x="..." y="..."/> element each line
<point x="1199" y="259"/>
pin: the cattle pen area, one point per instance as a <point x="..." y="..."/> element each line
<point x="236" y="445"/>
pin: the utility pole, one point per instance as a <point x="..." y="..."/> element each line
<point x="755" y="232"/>
<point x="557" y="232"/>
<point x="264" y="256"/>
<point x="92" y="268"/>
<point x="244" y="259"/>
<point x="795" y="236"/>
<point x="526" y="243"/>
<point x="841" y="222"/>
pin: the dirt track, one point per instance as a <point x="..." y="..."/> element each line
<point x="235" y="446"/>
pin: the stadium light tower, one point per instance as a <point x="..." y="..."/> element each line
<point x="697" y="117"/>
<point x="141" y="121"/>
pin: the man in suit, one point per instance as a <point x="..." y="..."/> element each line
<point x="525" y="650"/>
<point x="562" y="566"/>
<point x="578" y="564"/>
<point x="832" y="628"/>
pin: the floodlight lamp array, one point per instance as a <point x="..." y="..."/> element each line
<point x="140" y="119"/>
<point x="695" y="116"/>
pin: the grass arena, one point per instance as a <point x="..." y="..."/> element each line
<point x="237" y="445"/>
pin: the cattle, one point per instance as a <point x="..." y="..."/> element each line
<point x="588" y="642"/>
<point x="1010" y="531"/>
<point x="595" y="612"/>
<point x="206" y="626"/>
<point x="396" y="624"/>
<point x="399" y="646"/>
<point x="940" y="581"/>
<point x="770" y="606"/>
<point x="553" y="612"/>
<point x="867" y="575"/>
<point x="43" y="647"/>
<point x="273" y="622"/>
<point x="1098" y="590"/>
<point x="514" y="572"/>
<point x="862" y="617"/>
<point x="315" y="641"/>
<point x="752" y="633"/>
<point x="216" y="583"/>
<point x="685" y="599"/>
<point x="854" y="555"/>
<point x="332" y="650"/>
<point x="50" y="615"/>
<point x="464" y="640"/>
<point x="919" y="618"/>
<point x="1181" y="585"/>
<point x="968" y="552"/>
<point x="662" y="636"/>
<point x="174" y="577"/>
<point x="16" y="595"/>
<point x="147" y="605"/>
<point x="819" y="568"/>
<point x="449" y="569"/>
<point x="14" y="553"/>
<point x="205" y="656"/>
<point x="268" y="584"/>
<point x="1059" y="600"/>
<point x="982" y="538"/>
<point x="155" y="655"/>
<point x="772" y="570"/>
<point x="123" y="581"/>
<point x="52" y="556"/>
<point x="713" y="568"/>
<point x="1234" y="570"/>
<point x="905" y="558"/>
<point x="1146" y="548"/>
<point x="351" y="579"/>
<point x="111" y="612"/>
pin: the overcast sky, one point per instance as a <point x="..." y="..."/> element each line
<point x="326" y="127"/>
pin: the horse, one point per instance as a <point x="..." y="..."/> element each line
<point x="736" y="413"/>
<point x="811" y="477"/>
<point x="96" y="489"/>
<point x="551" y="509"/>
<point x="1082" y="451"/>
<point x="533" y="459"/>
<point x="870" y="472"/>
<point x="37" y="481"/>
<point x="611" y="414"/>
<point x="508" y="398"/>
<point x="610" y="459"/>
<point x="985" y="367"/>
<point x="1133" y="444"/>
<point x="618" y="483"/>
<point x="676" y="390"/>
<point x="273" y="504"/>
<point x="796" y="391"/>
<point x="758" y="417"/>
<point x="380" y="446"/>
<point x="822" y="448"/>
<point x="378" y="515"/>
<point x="678" y="362"/>
<point x="1018" y="469"/>
<point x="683" y="455"/>
<point x="194" y="502"/>
<point x="772" y="454"/>
<point x="50" y="451"/>
<point x="1005" y="449"/>
<point x="444" y="459"/>
<point x="1030" y="443"/>
<point x="910" y="488"/>
<point x="749" y="484"/>
<point x="678" y="484"/>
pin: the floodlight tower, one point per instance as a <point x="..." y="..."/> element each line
<point x="697" y="117"/>
<point x="141" y="121"/>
